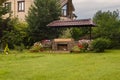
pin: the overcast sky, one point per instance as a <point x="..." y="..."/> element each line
<point x="87" y="8"/>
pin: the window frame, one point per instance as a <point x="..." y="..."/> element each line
<point x="64" y="10"/>
<point x="8" y="5"/>
<point x="21" y="6"/>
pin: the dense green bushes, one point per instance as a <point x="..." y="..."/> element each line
<point x="108" y="26"/>
<point x="14" y="33"/>
<point x="36" y="47"/>
<point x="100" y="44"/>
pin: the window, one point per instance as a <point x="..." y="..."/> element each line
<point x="8" y="5"/>
<point x="64" y="10"/>
<point x="21" y="6"/>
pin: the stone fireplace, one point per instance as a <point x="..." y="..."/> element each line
<point x="62" y="44"/>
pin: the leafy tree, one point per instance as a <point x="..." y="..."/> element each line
<point x="2" y="1"/>
<point x="15" y="32"/>
<point x="3" y="10"/>
<point x="3" y="22"/>
<point x="12" y="31"/>
<point x="108" y="26"/>
<point x="40" y="14"/>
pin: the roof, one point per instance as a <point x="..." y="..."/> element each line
<point x="72" y="23"/>
<point x="63" y="2"/>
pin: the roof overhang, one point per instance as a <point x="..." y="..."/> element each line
<point x="72" y="23"/>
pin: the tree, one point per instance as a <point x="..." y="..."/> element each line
<point x="3" y="22"/>
<point x="2" y="1"/>
<point x="3" y="10"/>
<point x="40" y="14"/>
<point x="108" y="26"/>
<point x="12" y="31"/>
<point x="15" y="32"/>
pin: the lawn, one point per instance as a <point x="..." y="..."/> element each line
<point x="42" y="66"/>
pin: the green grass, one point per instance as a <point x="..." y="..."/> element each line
<point x="39" y="66"/>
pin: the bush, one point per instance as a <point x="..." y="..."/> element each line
<point x="100" y="44"/>
<point x="20" y="47"/>
<point x="47" y="44"/>
<point x="36" y="47"/>
<point x="6" y="50"/>
<point x="75" y="49"/>
<point x="84" y="45"/>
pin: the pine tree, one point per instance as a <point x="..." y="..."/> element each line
<point x="40" y="14"/>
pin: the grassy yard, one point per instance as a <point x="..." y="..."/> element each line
<point x="39" y="66"/>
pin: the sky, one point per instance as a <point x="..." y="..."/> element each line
<point x="85" y="9"/>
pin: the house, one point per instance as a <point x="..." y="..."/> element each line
<point x="19" y="8"/>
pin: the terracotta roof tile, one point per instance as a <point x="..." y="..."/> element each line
<point x="72" y="23"/>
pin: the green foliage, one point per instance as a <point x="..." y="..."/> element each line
<point x="66" y="33"/>
<point x="14" y="33"/>
<point x="85" y="47"/>
<point x="6" y="50"/>
<point x="75" y="48"/>
<point x="2" y="1"/>
<point x="20" y="48"/>
<point x="40" y="14"/>
<point x="100" y="44"/>
<point x="3" y="11"/>
<point x="108" y="26"/>
<point x="75" y="33"/>
<point x="79" y="32"/>
<point x="36" y="47"/>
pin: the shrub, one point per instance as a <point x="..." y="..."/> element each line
<point x="6" y="50"/>
<point x="75" y="49"/>
<point x="20" y="47"/>
<point x="47" y="44"/>
<point x="100" y="44"/>
<point x="36" y="47"/>
<point x="84" y="45"/>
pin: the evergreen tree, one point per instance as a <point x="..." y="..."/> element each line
<point x="40" y="14"/>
